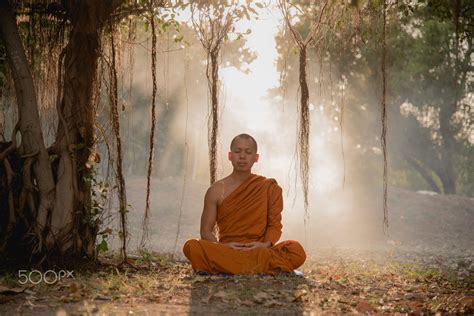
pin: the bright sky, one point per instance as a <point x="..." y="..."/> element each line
<point x="245" y="109"/>
<point x="248" y="91"/>
<point x="248" y="110"/>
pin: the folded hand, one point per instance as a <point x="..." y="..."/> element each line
<point x="249" y="246"/>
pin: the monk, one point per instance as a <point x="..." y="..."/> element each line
<point x="247" y="210"/>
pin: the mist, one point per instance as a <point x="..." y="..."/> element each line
<point x="345" y="192"/>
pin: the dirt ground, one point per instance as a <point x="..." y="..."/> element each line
<point x="424" y="264"/>
<point x="342" y="281"/>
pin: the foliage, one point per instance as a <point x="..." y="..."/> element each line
<point x="214" y="22"/>
<point x="428" y="88"/>
<point x="100" y="194"/>
<point x="429" y="75"/>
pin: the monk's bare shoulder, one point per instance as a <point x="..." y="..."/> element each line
<point x="214" y="191"/>
<point x="218" y="190"/>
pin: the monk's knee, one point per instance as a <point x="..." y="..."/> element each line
<point x="295" y="253"/>
<point x="189" y="247"/>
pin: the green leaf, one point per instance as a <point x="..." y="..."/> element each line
<point x="102" y="247"/>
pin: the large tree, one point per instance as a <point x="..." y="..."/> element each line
<point x="52" y="208"/>
<point x="50" y="215"/>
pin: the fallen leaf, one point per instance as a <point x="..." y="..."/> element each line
<point x="199" y="278"/>
<point x="414" y="296"/>
<point x="299" y="294"/>
<point x="103" y="298"/>
<point x="261" y="297"/>
<point x="271" y="303"/>
<point x="364" y="307"/>
<point x="73" y="287"/>
<point x="247" y="303"/>
<point x="206" y="299"/>
<point x="222" y="295"/>
<point x="11" y="290"/>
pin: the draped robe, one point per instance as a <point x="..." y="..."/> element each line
<point x="252" y="212"/>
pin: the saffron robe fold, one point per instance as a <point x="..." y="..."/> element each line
<point x="252" y="212"/>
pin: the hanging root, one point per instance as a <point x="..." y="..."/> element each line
<point x="342" y="134"/>
<point x="384" y="117"/>
<point x="213" y="123"/>
<point x="146" y="221"/>
<point x="178" y="230"/>
<point x="304" y="117"/>
<point x="303" y="131"/>
<point x="113" y="95"/>
<point x="211" y="32"/>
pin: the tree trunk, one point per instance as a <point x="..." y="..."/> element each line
<point x="75" y="140"/>
<point x="32" y="143"/>
<point x="64" y="224"/>
<point x="446" y="171"/>
<point x="425" y="174"/>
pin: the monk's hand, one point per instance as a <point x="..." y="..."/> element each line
<point x="257" y="245"/>
<point x="236" y="245"/>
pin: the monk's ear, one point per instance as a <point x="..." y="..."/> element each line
<point x="256" y="157"/>
<point x="229" y="155"/>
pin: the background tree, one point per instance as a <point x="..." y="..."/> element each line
<point x="319" y="20"/>
<point x="213" y="22"/>
<point x="434" y="88"/>
<point x="420" y="49"/>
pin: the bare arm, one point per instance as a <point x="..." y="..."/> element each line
<point x="209" y="215"/>
<point x="274" y="226"/>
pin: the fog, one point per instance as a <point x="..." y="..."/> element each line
<point x="345" y="200"/>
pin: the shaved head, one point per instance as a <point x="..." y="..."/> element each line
<point x="244" y="136"/>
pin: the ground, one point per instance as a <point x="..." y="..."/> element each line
<point x="425" y="263"/>
<point x="335" y="281"/>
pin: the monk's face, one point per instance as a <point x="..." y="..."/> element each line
<point x="243" y="155"/>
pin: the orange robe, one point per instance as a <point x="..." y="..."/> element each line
<point x="252" y="212"/>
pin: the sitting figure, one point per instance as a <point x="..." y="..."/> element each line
<point x="247" y="210"/>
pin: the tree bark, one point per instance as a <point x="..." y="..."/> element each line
<point x="446" y="171"/>
<point x="32" y="142"/>
<point x="75" y="140"/>
<point x="63" y="204"/>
